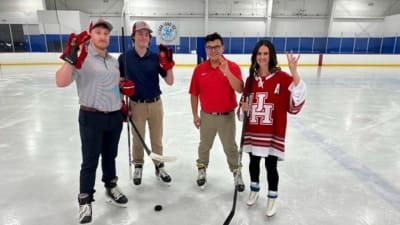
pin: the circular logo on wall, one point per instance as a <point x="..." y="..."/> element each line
<point x="167" y="31"/>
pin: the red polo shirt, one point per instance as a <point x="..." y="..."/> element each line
<point x="216" y="94"/>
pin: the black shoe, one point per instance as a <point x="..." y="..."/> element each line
<point x="115" y="197"/>
<point x="85" y="208"/>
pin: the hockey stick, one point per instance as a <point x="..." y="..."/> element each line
<point x="152" y="155"/>
<point x="232" y="212"/>
<point x="127" y="101"/>
<point x="155" y="156"/>
<point x="126" y="97"/>
<point x="59" y="25"/>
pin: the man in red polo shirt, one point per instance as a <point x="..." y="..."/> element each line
<point x="213" y="84"/>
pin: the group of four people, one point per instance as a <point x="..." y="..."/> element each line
<point x="102" y="81"/>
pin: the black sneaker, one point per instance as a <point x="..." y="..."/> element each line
<point x="162" y="174"/>
<point x="137" y="175"/>
<point x="85" y="208"/>
<point x="115" y="197"/>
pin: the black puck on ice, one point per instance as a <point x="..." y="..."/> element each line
<point x="157" y="208"/>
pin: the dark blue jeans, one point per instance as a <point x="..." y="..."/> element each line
<point x="100" y="133"/>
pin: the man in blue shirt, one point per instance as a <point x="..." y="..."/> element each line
<point x="144" y="68"/>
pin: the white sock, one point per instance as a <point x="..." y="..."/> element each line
<point x="254" y="186"/>
<point x="272" y="194"/>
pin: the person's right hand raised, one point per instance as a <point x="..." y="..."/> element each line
<point x="292" y="62"/>
<point x="71" y="51"/>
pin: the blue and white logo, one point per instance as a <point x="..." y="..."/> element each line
<point x="167" y="31"/>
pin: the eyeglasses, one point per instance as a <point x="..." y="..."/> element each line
<point x="213" y="48"/>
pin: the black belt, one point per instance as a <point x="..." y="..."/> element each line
<point x="219" y="113"/>
<point x="151" y="100"/>
<point x="90" y="109"/>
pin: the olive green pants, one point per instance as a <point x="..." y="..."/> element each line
<point x="224" y="126"/>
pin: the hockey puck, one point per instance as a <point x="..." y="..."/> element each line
<point x="157" y="208"/>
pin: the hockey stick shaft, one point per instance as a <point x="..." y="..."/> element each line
<point x="127" y="102"/>
<point x="148" y="151"/>
<point x="151" y="154"/>
<point x="232" y="212"/>
<point x="129" y="144"/>
<point x="59" y="25"/>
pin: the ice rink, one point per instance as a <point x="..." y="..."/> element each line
<point x="342" y="162"/>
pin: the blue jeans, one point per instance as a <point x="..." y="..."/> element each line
<point x="100" y="133"/>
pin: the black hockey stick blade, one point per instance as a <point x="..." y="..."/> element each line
<point x="232" y="212"/>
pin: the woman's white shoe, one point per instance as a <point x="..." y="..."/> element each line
<point x="271" y="206"/>
<point x="253" y="196"/>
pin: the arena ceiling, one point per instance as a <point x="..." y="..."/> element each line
<point x="357" y="9"/>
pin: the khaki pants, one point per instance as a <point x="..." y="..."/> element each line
<point x="153" y="114"/>
<point x="225" y="126"/>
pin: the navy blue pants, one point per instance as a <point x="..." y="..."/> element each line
<point x="100" y="133"/>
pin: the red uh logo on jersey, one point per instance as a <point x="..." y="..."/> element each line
<point x="261" y="111"/>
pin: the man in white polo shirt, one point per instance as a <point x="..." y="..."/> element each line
<point x="97" y="78"/>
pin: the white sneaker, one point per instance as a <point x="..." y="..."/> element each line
<point x="253" y="196"/>
<point x="271" y="207"/>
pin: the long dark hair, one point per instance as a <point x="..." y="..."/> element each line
<point x="273" y="61"/>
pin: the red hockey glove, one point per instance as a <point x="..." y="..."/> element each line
<point x="165" y="57"/>
<point x="127" y="87"/>
<point x="82" y="39"/>
<point x="70" y="53"/>
<point x="82" y="56"/>
<point x="126" y="112"/>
